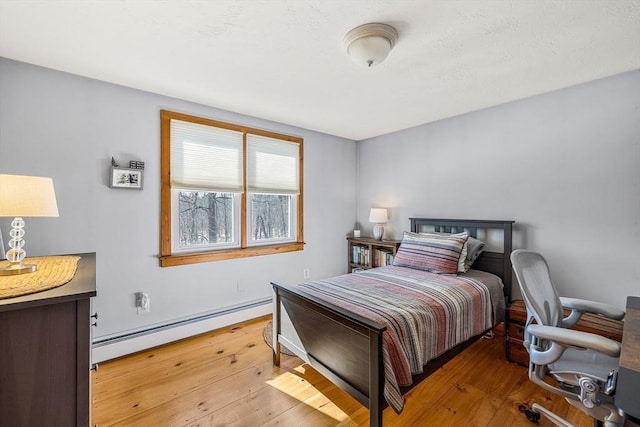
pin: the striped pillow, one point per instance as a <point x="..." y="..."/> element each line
<point x="434" y="253"/>
<point x="462" y="268"/>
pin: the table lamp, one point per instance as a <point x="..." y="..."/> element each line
<point x="378" y="216"/>
<point x="24" y="196"/>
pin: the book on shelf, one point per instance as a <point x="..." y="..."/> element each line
<point x="383" y="257"/>
<point x="355" y="254"/>
<point x="360" y="255"/>
<point x="376" y="257"/>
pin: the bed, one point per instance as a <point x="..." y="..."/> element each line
<point x="344" y="326"/>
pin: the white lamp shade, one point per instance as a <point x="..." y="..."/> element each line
<point x="378" y="215"/>
<point x="27" y="196"/>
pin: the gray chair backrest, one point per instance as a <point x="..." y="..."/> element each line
<point x="536" y="286"/>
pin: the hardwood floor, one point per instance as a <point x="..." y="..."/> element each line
<point x="226" y="378"/>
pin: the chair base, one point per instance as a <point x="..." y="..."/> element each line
<point x="534" y="412"/>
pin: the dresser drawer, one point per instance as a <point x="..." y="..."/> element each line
<point x="517" y="318"/>
<point x="517" y="312"/>
<point x="592" y="323"/>
<point x="516" y="352"/>
<point x="600" y="325"/>
<point x="516" y="331"/>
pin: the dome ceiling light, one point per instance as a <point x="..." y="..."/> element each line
<point x="369" y="44"/>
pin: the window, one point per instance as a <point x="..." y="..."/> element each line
<point x="228" y="191"/>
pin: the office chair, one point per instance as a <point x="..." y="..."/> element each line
<point x="583" y="365"/>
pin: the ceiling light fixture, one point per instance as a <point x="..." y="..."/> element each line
<point x="369" y="44"/>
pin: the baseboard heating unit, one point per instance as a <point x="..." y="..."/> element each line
<point x="110" y="347"/>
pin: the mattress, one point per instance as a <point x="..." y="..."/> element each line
<point x="425" y="313"/>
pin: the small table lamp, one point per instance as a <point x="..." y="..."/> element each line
<point x="24" y="196"/>
<point x="379" y="216"/>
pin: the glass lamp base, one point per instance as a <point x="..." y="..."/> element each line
<point x="15" y="269"/>
<point x="16" y="254"/>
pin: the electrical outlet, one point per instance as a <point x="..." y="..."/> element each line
<point x="305" y="273"/>
<point x="143" y="302"/>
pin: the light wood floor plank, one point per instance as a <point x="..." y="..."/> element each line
<point x="197" y="403"/>
<point x="226" y="378"/>
<point x="215" y="342"/>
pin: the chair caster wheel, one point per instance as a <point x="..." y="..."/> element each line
<point x="532" y="416"/>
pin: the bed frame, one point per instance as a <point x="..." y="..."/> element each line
<point x="347" y="348"/>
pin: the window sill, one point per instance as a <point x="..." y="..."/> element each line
<point x="198" y="257"/>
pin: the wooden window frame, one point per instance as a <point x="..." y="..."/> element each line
<point x="167" y="258"/>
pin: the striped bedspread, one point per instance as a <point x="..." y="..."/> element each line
<point x="426" y="314"/>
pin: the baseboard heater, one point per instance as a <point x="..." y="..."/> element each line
<point x="111" y="347"/>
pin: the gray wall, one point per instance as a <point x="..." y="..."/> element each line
<point x="68" y="127"/>
<point x="564" y="165"/>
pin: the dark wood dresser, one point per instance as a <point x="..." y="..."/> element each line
<point x="45" y="341"/>
<point x="628" y="392"/>
<point x="517" y="318"/>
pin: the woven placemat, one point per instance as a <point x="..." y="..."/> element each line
<point x="52" y="271"/>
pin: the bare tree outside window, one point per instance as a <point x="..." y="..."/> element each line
<point x="205" y="218"/>
<point x="270" y="216"/>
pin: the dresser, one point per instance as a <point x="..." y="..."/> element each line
<point x="517" y="318"/>
<point x="627" y="395"/>
<point x="45" y="341"/>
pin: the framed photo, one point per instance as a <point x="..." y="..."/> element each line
<point x="126" y="178"/>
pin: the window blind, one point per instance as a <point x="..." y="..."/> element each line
<point x="272" y="165"/>
<point x="205" y="157"/>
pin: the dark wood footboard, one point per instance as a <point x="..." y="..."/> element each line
<point x="344" y="347"/>
<point x="347" y="348"/>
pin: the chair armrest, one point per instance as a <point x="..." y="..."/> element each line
<point x="569" y="337"/>
<point x="579" y="306"/>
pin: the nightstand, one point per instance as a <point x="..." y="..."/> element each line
<point x="517" y="318"/>
<point x="365" y="252"/>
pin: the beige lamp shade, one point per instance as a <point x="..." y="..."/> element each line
<point x="27" y="196"/>
<point x="378" y="215"/>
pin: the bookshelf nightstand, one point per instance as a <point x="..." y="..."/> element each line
<point x="366" y="252"/>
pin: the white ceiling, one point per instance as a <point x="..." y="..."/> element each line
<point x="284" y="60"/>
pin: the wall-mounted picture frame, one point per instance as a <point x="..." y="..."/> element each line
<point x="126" y="178"/>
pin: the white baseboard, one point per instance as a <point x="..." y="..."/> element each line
<point x="106" y="349"/>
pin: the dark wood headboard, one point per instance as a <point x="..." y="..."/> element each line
<point x="498" y="263"/>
